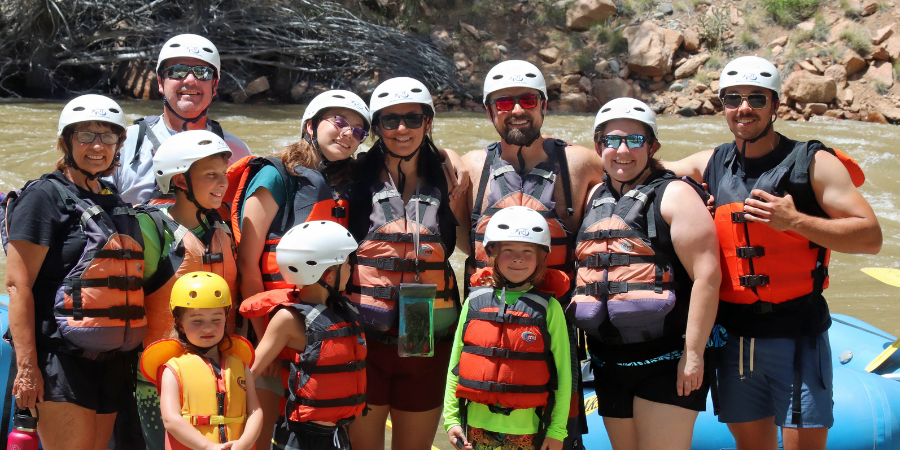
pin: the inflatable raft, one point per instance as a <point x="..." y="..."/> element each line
<point x="866" y="405"/>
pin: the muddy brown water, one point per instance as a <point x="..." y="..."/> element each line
<point x="28" y="130"/>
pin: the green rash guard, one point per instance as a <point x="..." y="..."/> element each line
<point x="152" y="250"/>
<point x="520" y="421"/>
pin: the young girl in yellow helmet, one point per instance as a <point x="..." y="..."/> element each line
<point x="202" y="376"/>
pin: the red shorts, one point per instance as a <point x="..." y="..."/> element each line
<point x="410" y="384"/>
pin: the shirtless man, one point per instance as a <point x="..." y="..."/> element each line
<point x="780" y="207"/>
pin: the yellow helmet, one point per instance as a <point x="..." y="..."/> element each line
<point x="200" y="290"/>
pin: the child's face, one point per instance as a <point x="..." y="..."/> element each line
<point x="204" y="327"/>
<point x="516" y="260"/>
<point x="208" y="181"/>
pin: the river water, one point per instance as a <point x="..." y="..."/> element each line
<point x="27" y="136"/>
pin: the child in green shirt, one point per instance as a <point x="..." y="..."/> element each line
<point x="510" y="360"/>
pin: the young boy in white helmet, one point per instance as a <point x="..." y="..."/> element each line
<point x="188" y="71"/>
<point x="780" y="207"/>
<point x="512" y="332"/>
<point x="183" y="237"/>
<point x="318" y="334"/>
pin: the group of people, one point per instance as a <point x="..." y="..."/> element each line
<point x="297" y="301"/>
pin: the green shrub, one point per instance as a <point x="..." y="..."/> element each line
<point x="583" y="60"/>
<point x="638" y="8"/>
<point x="702" y="77"/>
<point x="857" y="38"/>
<point x="717" y="59"/>
<point x="850" y="8"/>
<point x="713" y="27"/>
<point x="790" y="12"/>
<point x="897" y="70"/>
<point x="547" y="14"/>
<point x="617" y="43"/>
<point x="754" y="17"/>
<point x="880" y="87"/>
<point x="747" y="40"/>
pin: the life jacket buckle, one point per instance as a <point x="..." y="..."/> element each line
<point x="499" y="352"/>
<point x="750" y="252"/>
<point x="213" y="258"/>
<point x="493" y="386"/>
<point x="338" y="212"/>
<point x="738" y="217"/>
<point x="126" y="254"/>
<point x="754" y="280"/>
<point x="124" y="283"/>
<point x="384" y="292"/>
<point x="403" y="237"/>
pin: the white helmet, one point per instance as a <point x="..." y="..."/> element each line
<point x="514" y="73"/>
<point x="750" y="71"/>
<point x="627" y="108"/>
<point x="190" y="46"/>
<point x="400" y="90"/>
<point x="178" y="152"/>
<point x="336" y="99"/>
<point x="517" y="224"/>
<point x="90" y="108"/>
<point x="307" y="250"/>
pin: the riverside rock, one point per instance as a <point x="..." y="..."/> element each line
<point x="573" y="102"/>
<point x="869" y="8"/>
<point x="882" y="34"/>
<point x="606" y="90"/>
<point x="691" y="40"/>
<point x="549" y="55"/>
<point x="883" y="71"/>
<point x="853" y="62"/>
<point x="805" y="87"/>
<point x="648" y="54"/>
<point x="581" y="14"/>
<point x="780" y="41"/>
<point x="838" y="73"/>
<point x="252" y="88"/>
<point x="690" y="67"/>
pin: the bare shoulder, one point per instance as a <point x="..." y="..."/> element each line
<point x="584" y="163"/>
<point x="474" y="159"/>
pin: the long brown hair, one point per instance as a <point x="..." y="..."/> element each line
<point x="498" y="280"/>
<point x="303" y="153"/>
<point x="64" y="146"/>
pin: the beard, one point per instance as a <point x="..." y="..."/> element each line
<point x="521" y="136"/>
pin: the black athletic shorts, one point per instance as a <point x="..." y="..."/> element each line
<point x="617" y="386"/>
<point x="308" y="436"/>
<point x="101" y="386"/>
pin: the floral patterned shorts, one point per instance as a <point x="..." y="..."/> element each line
<point x="482" y="439"/>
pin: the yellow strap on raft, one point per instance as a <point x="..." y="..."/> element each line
<point x="212" y="420"/>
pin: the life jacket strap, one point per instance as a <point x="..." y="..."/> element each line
<point x="121" y="312"/>
<point x="603" y="260"/>
<point x="620" y="287"/>
<point x="504" y="388"/>
<point x="198" y="420"/>
<point x="352" y="400"/>
<point x="401" y="237"/>
<point x="121" y="254"/>
<point x="750" y="252"/>
<point x="504" y="318"/>
<point x="505" y="353"/>
<point x="610" y="234"/>
<point x="353" y="366"/>
<point x="752" y="281"/>
<point x="122" y="283"/>
<point x="400" y="264"/>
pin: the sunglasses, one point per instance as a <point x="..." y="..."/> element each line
<point x="87" y="137"/>
<point x="341" y="124"/>
<point x="756" y="101"/>
<point x="412" y="121"/>
<point x="508" y="102"/>
<point x="614" y="141"/>
<point x="179" y="71"/>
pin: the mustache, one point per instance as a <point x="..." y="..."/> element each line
<point x="519" y="117"/>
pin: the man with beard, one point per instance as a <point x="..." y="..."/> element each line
<point x="780" y="207"/>
<point x="527" y="169"/>
<point x="188" y="73"/>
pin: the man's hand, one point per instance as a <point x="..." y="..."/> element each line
<point x="776" y="212"/>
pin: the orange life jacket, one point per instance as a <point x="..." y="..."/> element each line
<point x="326" y="381"/>
<point x="213" y="252"/>
<point x="535" y="189"/>
<point x="506" y="356"/>
<point x="308" y="196"/>
<point x="388" y="256"/>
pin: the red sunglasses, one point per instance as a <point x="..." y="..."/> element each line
<point x="508" y="102"/>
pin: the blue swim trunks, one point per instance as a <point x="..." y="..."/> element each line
<point x="758" y="382"/>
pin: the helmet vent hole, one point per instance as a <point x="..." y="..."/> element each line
<point x="416" y="90"/>
<point x="293" y="269"/>
<point x="207" y="50"/>
<point x="305" y="226"/>
<point x="530" y="75"/>
<point x="218" y="294"/>
<point x="503" y="226"/>
<point x="606" y="110"/>
<point x="195" y="276"/>
<point x="205" y="142"/>
<point x="638" y="108"/>
<point x="766" y="74"/>
<point x="383" y="95"/>
<point x="497" y="77"/>
<point x="78" y="108"/>
<point x="537" y="229"/>
<point x="114" y="110"/>
<point x="311" y="263"/>
<point x="192" y="294"/>
<point x="175" y="45"/>
<point x="338" y="96"/>
<point x="159" y="172"/>
<point x="732" y="73"/>
<point x="348" y="235"/>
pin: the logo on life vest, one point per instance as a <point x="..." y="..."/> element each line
<point x="426" y="251"/>
<point x="194" y="50"/>
<point x="242" y="383"/>
<point x="99" y="112"/>
<point x="523" y="232"/>
<point x="627" y="247"/>
<point x="529" y="337"/>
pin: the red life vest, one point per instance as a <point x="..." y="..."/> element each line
<point x="99" y="306"/>
<point x="506" y="356"/>
<point x="308" y="195"/>
<point x="388" y="256"/>
<point x="326" y="382"/>
<point x="536" y="190"/>
<point x="213" y="252"/>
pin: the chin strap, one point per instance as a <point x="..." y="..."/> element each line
<point x="332" y="290"/>
<point x="743" y="153"/>
<point x="70" y="160"/>
<point x="625" y="183"/>
<point x="201" y="211"/>
<point x="185" y="119"/>
<point x="402" y="184"/>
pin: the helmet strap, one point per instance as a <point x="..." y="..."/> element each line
<point x="201" y="211"/>
<point x="761" y="135"/>
<point x="70" y="160"/>
<point x="332" y="290"/>
<point x="402" y="184"/>
<point x="185" y="119"/>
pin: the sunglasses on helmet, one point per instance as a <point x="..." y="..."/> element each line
<point x="87" y="137"/>
<point x="614" y="141"/>
<point x="179" y="71"/>
<point x="392" y="121"/>
<point x="508" y="102"/>
<point x="341" y="124"/>
<point x="756" y="101"/>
